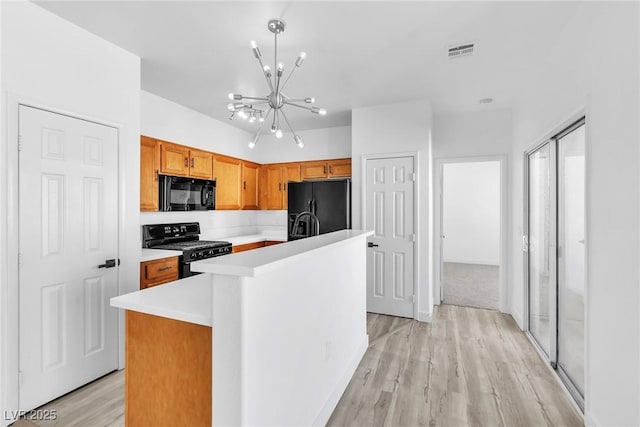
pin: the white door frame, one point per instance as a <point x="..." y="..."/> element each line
<point x="9" y="335"/>
<point x="416" y="212"/>
<point x="439" y="164"/>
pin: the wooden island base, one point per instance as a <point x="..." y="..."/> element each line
<point x="167" y="372"/>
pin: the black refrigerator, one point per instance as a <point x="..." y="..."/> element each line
<point x="329" y="200"/>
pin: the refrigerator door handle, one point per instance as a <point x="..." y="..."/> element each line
<point x="315" y="206"/>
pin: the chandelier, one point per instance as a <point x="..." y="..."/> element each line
<point x="255" y="108"/>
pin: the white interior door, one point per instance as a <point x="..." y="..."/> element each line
<point x="389" y="213"/>
<point x="68" y="227"/>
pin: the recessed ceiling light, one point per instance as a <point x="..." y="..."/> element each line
<point x="486" y="101"/>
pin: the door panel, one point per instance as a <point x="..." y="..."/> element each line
<point x="201" y="164"/>
<point x="571" y="255"/>
<point x="228" y="176"/>
<point x="274" y="190"/>
<point x="174" y="159"/>
<point x="389" y="212"/>
<point x="68" y="226"/>
<point x="541" y="256"/>
<point x="149" y="169"/>
<point x="250" y="181"/>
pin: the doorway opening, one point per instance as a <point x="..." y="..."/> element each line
<point x="470" y="230"/>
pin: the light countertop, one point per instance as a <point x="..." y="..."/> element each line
<point x="153" y="254"/>
<point x="187" y="300"/>
<point x="261" y="260"/>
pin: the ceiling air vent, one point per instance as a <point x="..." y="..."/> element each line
<point x="460" y="51"/>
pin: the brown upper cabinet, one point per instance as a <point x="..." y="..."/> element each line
<point x="276" y="179"/>
<point x="338" y="168"/>
<point x="228" y="176"/>
<point x="250" y="185"/>
<point x="184" y="161"/>
<point x="149" y="169"/>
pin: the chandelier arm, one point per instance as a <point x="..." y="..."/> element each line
<point x="287" y="121"/>
<point x="265" y="74"/>
<point x="257" y="98"/>
<point x="273" y="124"/>
<point x="288" y="77"/>
<point x="275" y="56"/>
<point x="304" y="107"/>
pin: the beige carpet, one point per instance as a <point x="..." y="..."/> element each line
<point x="472" y="285"/>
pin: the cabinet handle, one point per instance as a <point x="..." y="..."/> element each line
<point x="165" y="268"/>
<point x="324" y="170"/>
<point x="279" y="186"/>
<point x="157" y="175"/>
<point x="330" y="169"/>
<point x="244" y="185"/>
<point x="193" y="162"/>
<point x="186" y="162"/>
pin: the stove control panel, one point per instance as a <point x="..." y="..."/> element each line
<point x="209" y="253"/>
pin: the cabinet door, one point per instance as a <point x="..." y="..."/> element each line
<point x="274" y="187"/>
<point x="314" y="170"/>
<point x="201" y="165"/>
<point x="291" y="174"/>
<point x="340" y="168"/>
<point x="174" y="159"/>
<point x="149" y="169"/>
<point x="158" y="271"/>
<point x="228" y="175"/>
<point x="250" y="185"/>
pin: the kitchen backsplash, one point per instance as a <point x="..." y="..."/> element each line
<point x="219" y="224"/>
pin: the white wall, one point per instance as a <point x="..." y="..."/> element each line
<point x="594" y="66"/>
<point x="481" y="133"/>
<point x="164" y="119"/>
<point x="394" y="128"/>
<point x="471" y="208"/>
<point x="325" y="143"/>
<point x="51" y="62"/>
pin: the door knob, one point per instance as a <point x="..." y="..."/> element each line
<point x="371" y="245"/>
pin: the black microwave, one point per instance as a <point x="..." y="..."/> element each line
<point x="178" y="193"/>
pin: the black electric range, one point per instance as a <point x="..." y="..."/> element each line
<point x="183" y="237"/>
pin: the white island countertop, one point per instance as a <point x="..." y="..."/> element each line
<point x="259" y="261"/>
<point x="154" y="254"/>
<point x="188" y="300"/>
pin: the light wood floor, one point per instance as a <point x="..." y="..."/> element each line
<point x="469" y="367"/>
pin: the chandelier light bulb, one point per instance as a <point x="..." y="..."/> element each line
<point x="280" y="69"/>
<point x="231" y="96"/>
<point x="279" y="133"/>
<point x="243" y="115"/>
<point x="253" y="44"/>
<point x="273" y="128"/>
<point x="298" y="141"/>
<point x="252" y="119"/>
<point x="322" y="112"/>
<point x="267" y="71"/>
<point x="231" y="107"/>
<point x="261" y="119"/>
<point x="300" y="59"/>
<point x="309" y="100"/>
<point x="235" y="97"/>
<point x="252" y="144"/>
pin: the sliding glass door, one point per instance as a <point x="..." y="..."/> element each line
<point x="555" y="245"/>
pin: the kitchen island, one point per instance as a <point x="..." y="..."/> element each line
<point x="289" y="327"/>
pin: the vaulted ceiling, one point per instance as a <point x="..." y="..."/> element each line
<point x="358" y="53"/>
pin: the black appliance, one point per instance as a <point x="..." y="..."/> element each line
<point x="328" y="200"/>
<point x="178" y="193"/>
<point x="183" y="237"/>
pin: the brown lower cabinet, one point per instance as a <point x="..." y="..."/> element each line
<point x="253" y="245"/>
<point x="168" y="375"/>
<point x="159" y="271"/>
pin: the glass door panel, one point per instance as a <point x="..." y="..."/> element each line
<point x="571" y="254"/>
<point x="541" y="248"/>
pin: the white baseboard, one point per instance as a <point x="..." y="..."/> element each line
<point x="341" y="386"/>
<point x="473" y="261"/>
<point x="423" y="316"/>
<point x="518" y="320"/>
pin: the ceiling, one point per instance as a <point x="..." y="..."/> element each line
<point x="358" y="53"/>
